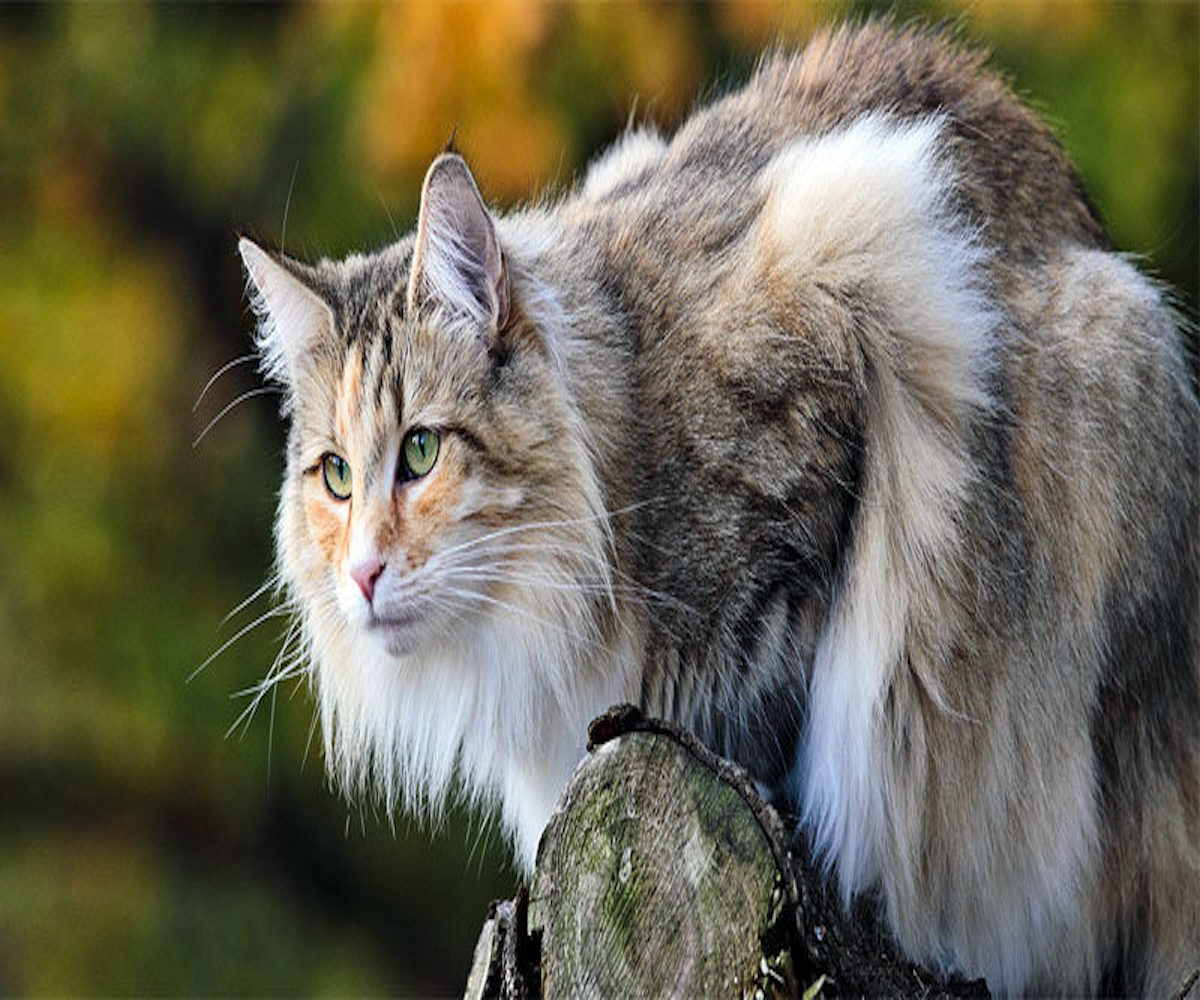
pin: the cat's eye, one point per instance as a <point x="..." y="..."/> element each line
<point x="419" y="452"/>
<point x="336" y="471"/>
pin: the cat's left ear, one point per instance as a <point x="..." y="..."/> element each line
<point x="458" y="266"/>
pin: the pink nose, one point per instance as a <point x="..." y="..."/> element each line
<point x="365" y="574"/>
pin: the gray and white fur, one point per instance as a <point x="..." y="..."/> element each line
<point x="830" y="427"/>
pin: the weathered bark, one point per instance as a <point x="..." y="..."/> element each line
<point x="665" y="873"/>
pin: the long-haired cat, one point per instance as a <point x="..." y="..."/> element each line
<point x="830" y="427"/>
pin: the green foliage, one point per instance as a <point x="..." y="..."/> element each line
<point x="139" y="851"/>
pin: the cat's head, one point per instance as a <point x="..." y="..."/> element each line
<point x="439" y="499"/>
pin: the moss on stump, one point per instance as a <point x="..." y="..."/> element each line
<point x="664" y="873"/>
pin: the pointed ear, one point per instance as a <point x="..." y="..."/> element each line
<point x="292" y="317"/>
<point x="457" y="265"/>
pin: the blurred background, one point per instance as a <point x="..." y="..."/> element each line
<point x="142" y="851"/>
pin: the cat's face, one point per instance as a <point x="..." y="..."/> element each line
<point x="394" y="494"/>
<point x="412" y="482"/>
<point x="432" y="484"/>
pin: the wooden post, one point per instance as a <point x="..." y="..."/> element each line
<point x="665" y="873"/>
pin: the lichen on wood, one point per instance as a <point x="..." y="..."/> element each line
<point x="664" y="873"/>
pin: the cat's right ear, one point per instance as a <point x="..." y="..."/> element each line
<point x="292" y="317"/>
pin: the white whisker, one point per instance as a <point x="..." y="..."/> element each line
<point x="520" y="613"/>
<point x="287" y="663"/>
<point x="217" y="374"/>
<point x="293" y="667"/>
<point x="494" y="575"/>
<point x="312" y="728"/>
<point x="542" y="525"/>
<point x="272" y="613"/>
<point x="261" y="391"/>
<point x="287" y="204"/>
<point x="271" y="733"/>
<point x="260" y="691"/>
<point x="270" y="582"/>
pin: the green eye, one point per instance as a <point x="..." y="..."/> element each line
<point x="420" y="451"/>
<point x="336" y="471"/>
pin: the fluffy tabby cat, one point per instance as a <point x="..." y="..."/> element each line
<point x="830" y="427"/>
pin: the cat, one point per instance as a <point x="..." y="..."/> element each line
<point x="830" y="427"/>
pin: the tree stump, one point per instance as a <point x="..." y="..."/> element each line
<point x="665" y="873"/>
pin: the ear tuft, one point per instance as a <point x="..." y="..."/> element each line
<point x="458" y="268"/>
<point x="292" y="318"/>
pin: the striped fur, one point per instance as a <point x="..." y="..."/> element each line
<point x="829" y="427"/>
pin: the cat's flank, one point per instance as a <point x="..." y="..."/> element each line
<point x="830" y="427"/>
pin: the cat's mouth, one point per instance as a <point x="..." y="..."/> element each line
<point x="397" y="628"/>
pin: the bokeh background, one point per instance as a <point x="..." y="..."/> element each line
<point x="142" y="851"/>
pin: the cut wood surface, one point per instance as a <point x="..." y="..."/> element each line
<point x="665" y="873"/>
